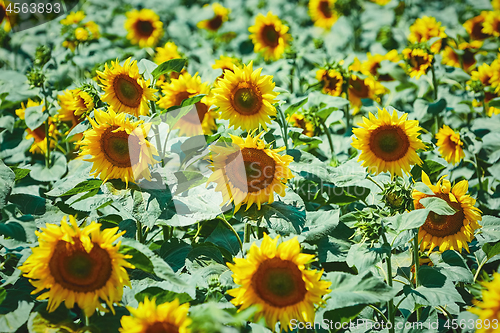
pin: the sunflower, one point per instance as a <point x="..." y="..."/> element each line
<point x="380" y="2"/>
<point x="198" y="121"/>
<point x="483" y="74"/>
<point x="270" y="36"/>
<point x="491" y="25"/>
<point x="426" y="28"/>
<point x="323" y="13"/>
<point x="467" y="60"/>
<point x="73" y="18"/>
<point x="475" y="25"/>
<point x="488" y="309"/>
<point x="418" y="61"/>
<point x="221" y="16"/>
<point x="275" y="278"/>
<point x="125" y="89"/>
<point x="226" y="63"/>
<point x="4" y="17"/>
<point x="248" y="172"/>
<point x="371" y="66"/>
<point x="450" y="145"/>
<point x="495" y="76"/>
<point x="388" y="143"/>
<point x="299" y="120"/>
<point x="118" y="147"/>
<point x="332" y="81"/>
<point x="78" y="265"/>
<point x="245" y="97"/>
<point x="150" y="317"/>
<point x="167" y="52"/>
<point x="66" y="113"/>
<point x="39" y="145"/>
<point x="495" y="4"/>
<point x="144" y="27"/>
<point x="360" y="88"/>
<point x="449" y="232"/>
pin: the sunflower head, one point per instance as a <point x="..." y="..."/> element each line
<point x="449" y="232"/>
<point x="418" y="61"/>
<point x="475" y="25"/>
<point x="118" y="147"/>
<point x="167" y="52"/>
<point x="226" y="63"/>
<point x="380" y="2"/>
<point x="491" y="25"/>
<point x="397" y="195"/>
<point x="269" y="36"/>
<point x="483" y="74"/>
<point x="426" y="28"/>
<point x="388" y="143"/>
<point x="77" y="265"/>
<point x="248" y="172"/>
<point x="332" y="81"/>
<point x="301" y="121"/>
<point x="125" y="89"/>
<point x="150" y="317"/>
<point x="275" y="279"/>
<point x="73" y="18"/>
<point x="372" y="64"/>
<point x="450" y="145"/>
<point x="467" y="58"/>
<point x="488" y="309"/>
<point x="221" y="15"/>
<point x="144" y="27"/>
<point x="200" y="120"/>
<point x="245" y="97"/>
<point x="360" y="88"/>
<point x="323" y="13"/>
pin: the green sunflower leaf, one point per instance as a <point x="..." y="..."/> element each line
<point x="172" y="65"/>
<point x="438" y="206"/>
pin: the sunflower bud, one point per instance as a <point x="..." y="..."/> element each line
<point x="398" y="196"/>
<point x="36" y="77"/>
<point x="42" y="55"/>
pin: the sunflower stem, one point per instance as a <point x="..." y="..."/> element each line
<point x="390" y="306"/>
<point x="227" y="224"/>
<point x="379" y="312"/>
<point x="246" y="233"/>
<point x="447" y="314"/>
<point x="374" y="181"/>
<point x="47" y="137"/>
<point x="329" y="136"/>
<point x="434" y="82"/>
<point x="167" y="232"/>
<point x="284" y="127"/>
<point x="139" y="232"/>
<point x="416" y="259"/>
<point x="478" y="173"/>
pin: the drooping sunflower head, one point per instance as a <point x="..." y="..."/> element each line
<point x="323" y="13"/>
<point x="491" y="24"/>
<point x="200" y="120"/>
<point x="245" y="97"/>
<point x="488" y="309"/>
<point x="418" y="61"/>
<point x="475" y="25"/>
<point x="248" y="172"/>
<point x="144" y="27"/>
<point x="450" y="145"/>
<point x="118" y="147"/>
<point x="388" y="143"/>
<point x="275" y="278"/>
<point x="269" y="36"/>
<point x="449" y="232"/>
<point x="77" y="265"/>
<point x="332" y="81"/>
<point x="167" y="52"/>
<point x="152" y="318"/>
<point x="221" y="15"/>
<point x="360" y="88"/>
<point x="301" y="121"/>
<point x="125" y="89"/>
<point x="467" y="58"/>
<point x="426" y="28"/>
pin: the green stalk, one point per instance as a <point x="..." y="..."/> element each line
<point x="167" y="232"/>
<point x="284" y="127"/>
<point x="434" y="82"/>
<point x="47" y="136"/>
<point x="246" y="232"/>
<point x="390" y="305"/>
<point x="416" y="259"/>
<point x="478" y="173"/>
<point x="139" y="232"/>
<point x="329" y="136"/>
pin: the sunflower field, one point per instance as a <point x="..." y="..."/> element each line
<point x="249" y="166"/>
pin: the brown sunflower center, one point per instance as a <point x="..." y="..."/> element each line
<point x="279" y="282"/>
<point x="39" y="133"/>
<point x="78" y="270"/>
<point x="477" y="31"/>
<point x="331" y="83"/>
<point x="127" y="90"/>
<point x="389" y="143"/>
<point x="247" y="99"/>
<point x="324" y="8"/>
<point x="162" y="327"/>
<point x="468" y="59"/>
<point x="488" y="96"/>
<point x="270" y="36"/>
<point x="2" y="13"/>
<point x="120" y="149"/>
<point x="251" y="171"/>
<point x="215" y="23"/>
<point x="418" y="61"/>
<point x="444" y="225"/>
<point x="359" y="88"/>
<point x="144" y="28"/>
